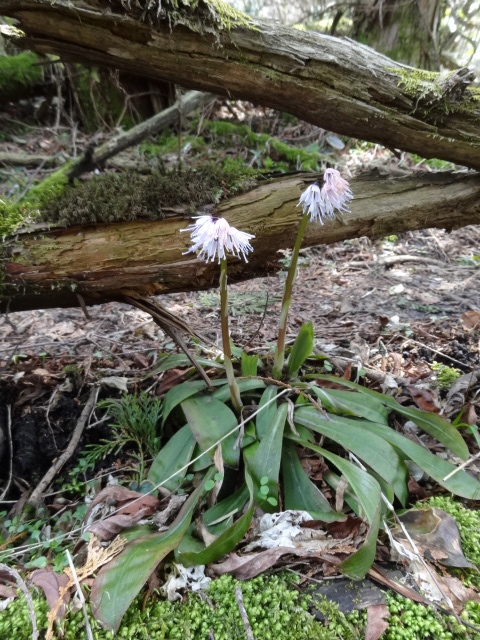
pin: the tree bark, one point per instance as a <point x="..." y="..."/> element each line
<point x="66" y="267"/>
<point x="335" y="83"/>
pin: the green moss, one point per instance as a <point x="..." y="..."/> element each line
<point x="23" y="69"/>
<point x="129" y="196"/>
<point x="446" y="376"/>
<point x="431" y="99"/>
<point x="268" y="151"/>
<point x="275" y="611"/>
<point x="198" y="15"/>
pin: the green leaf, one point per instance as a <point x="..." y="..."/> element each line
<point x="249" y="364"/>
<point x="351" y="403"/>
<point x="171" y="458"/>
<point x="266" y="458"/>
<point x="266" y="414"/>
<point x="180" y="392"/>
<point x="376" y="452"/>
<point x="299" y="491"/>
<point x="461" y="484"/>
<point x="357" y="565"/>
<point x="225" y="542"/>
<point x="209" y="419"/>
<point x="216" y="517"/>
<point x="365" y="488"/>
<point x="223" y="393"/>
<point x="120" y="581"/>
<point x="432" y="423"/>
<point x="302" y="348"/>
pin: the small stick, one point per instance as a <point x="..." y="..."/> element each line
<point x="36" y="496"/>
<point x="80" y="595"/>
<point x="28" y="597"/>
<point x="243" y="612"/>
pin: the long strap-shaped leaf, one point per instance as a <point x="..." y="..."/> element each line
<point x="119" y="582"/>
<point x="432" y="423"/>
<point x="225" y="542"/>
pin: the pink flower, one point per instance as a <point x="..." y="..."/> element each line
<point x="214" y="236"/>
<point x="321" y="203"/>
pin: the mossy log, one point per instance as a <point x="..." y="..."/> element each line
<point x="92" y="264"/>
<point x="335" y="83"/>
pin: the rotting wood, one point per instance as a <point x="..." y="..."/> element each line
<point x="335" y="83"/>
<point x="104" y="262"/>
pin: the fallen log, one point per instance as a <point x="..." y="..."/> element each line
<point x="92" y="264"/>
<point x="335" y="83"/>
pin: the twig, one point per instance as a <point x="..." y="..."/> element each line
<point x="28" y="597"/>
<point x="36" y="496"/>
<point x="10" y="446"/>
<point x="243" y="613"/>
<point x="80" y="595"/>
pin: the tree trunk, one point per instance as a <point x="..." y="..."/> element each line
<point x="103" y="262"/>
<point x="334" y="83"/>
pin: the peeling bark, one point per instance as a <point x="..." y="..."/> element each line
<point x="106" y="262"/>
<point x="335" y="83"/>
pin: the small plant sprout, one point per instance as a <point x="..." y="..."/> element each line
<point x="318" y="204"/>
<point x="213" y="237"/>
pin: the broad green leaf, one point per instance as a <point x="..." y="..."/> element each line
<point x="249" y="384"/>
<point x="249" y="364"/>
<point x="357" y="565"/>
<point x="180" y="392"/>
<point x="266" y="414"/>
<point x="351" y="403"/>
<point x="225" y="542"/>
<point x="171" y="458"/>
<point x="376" y="452"/>
<point x="432" y="423"/>
<point x="225" y="510"/>
<point x="119" y="582"/>
<point x="302" y="348"/>
<point x="209" y="419"/>
<point x="461" y="484"/>
<point x="174" y="360"/>
<point x="365" y="488"/>
<point x="266" y="459"/>
<point x="299" y="491"/>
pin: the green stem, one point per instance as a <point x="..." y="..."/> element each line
<point x="227" y="352"/>
<point x="287" y="299"/>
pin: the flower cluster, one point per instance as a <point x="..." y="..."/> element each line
<point x="322" y="202"/>
<point x="215" y="237"/>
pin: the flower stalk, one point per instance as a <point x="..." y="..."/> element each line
<point x="318" y="204"/>
<point x="227" y="352"/>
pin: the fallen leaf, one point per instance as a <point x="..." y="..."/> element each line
<point x="110" y="527"/>
<point x="51" y="584"/>
<point x="376" y="623"/>
<point x="470" y="320"/>
<point x="126" y="501"/>
<point x="435" y="534"/>
<point x="115" y="382"/>
<point x="424" y="399"/>
<point x="252" y="564"/>
<point x="7" y="592"/>
<point x="340" y="529"/>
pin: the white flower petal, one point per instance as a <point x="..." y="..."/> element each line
<point x="214" y="237"/>
<point x="321" y="203"/>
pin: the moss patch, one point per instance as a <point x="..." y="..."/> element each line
<point x="114" y="197"/>
<point x="23" y="69"/>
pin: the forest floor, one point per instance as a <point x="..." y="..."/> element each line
<point x="402" y="309"/>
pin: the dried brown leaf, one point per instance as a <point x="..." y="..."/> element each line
<point x="55" y="588"/>
<point x="110" y="527"/>
<point x="376" y="622"/>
